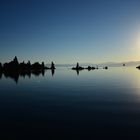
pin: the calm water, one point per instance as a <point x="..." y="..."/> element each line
<point x="96" y="104"/>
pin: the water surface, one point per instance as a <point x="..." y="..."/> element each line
<point x="95" y="104"/>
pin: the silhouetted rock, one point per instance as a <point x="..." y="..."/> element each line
<point x="0" y="67"/>
<point x="29" y="65"/>
<point x="93" y="68"/>
<point x="138" y="67"/>
<point x="52" y="66"/>
<point x="77" y="67"/>
<point x="36" y="65"/>
<point x="22" y="65"/>
<point x="14" y="69"/>
<point x="43" y="65"/>
<point x="105" y="67"/>
<point x="15" y="61"/>
<point x="90" y="68"/>
<point x="0" y="74"/>
<point x="11" y="66"/>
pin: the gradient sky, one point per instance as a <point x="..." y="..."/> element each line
<point x="67" y="31"/>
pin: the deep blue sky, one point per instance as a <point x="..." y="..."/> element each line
<point x="67" y="31"/>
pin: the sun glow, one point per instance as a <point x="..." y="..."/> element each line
<point x="133" y="44"/>
<point x="137" y="47"/>
<point x="138" y="42"/>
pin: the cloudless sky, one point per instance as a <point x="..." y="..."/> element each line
<point x="67" y="31"/>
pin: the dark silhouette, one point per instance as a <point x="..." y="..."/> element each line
<point x="0" y="67"/>
<point x="43" y="65"/>
<point x="36" y="66"/>
<point x="12" y="75"/>
<point x="90" y="68"/>
<point x="14" y="69"/>
<point x="123" y="64"/>
<point x="16" y="60"/>
<point x="77" y="71"/>
<point x="0" y="70"/>
<point x="38" y="73"/>
<point x="29" y="65"/>
<point x="43" y="72"/>
<point x="77" y="67"/>
<point x="15" y="65"/>
<point x="53" y="71"/>
<point x="138" y="67"/>
<point x="52" y="66"/>
<point x="0" y="74"/>
<point x="105" y="67"/>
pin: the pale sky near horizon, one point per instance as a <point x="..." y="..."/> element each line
<point x="70" y="31"/>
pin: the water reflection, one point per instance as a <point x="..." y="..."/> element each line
<point x="15" y="75"/>
<point x="107" y="102"/>
<point x="53" y="72"/>
<point x="79" y="70"/>
<point x="0" y="75"/>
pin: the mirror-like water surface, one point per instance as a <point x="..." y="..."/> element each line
<point x="94" y="104"/>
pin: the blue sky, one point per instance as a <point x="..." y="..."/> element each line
<point x="67" y="31"/>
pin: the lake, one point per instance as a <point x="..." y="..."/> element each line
<point x="98" y="104"/>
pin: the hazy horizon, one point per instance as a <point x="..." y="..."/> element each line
<point x="48" y="63"/>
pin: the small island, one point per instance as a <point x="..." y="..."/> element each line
<point x="16" y="66"/>
<point x="79" y="68"/>
<point x="105" y="67"/>
<point x="138" y="67"/>
<point x="82" y="68"/>
<point x="14" y="69"/>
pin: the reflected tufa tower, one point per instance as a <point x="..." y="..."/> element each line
<point x="52" y="66"/>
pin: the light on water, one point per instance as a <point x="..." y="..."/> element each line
<point x="66" y="104"/>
